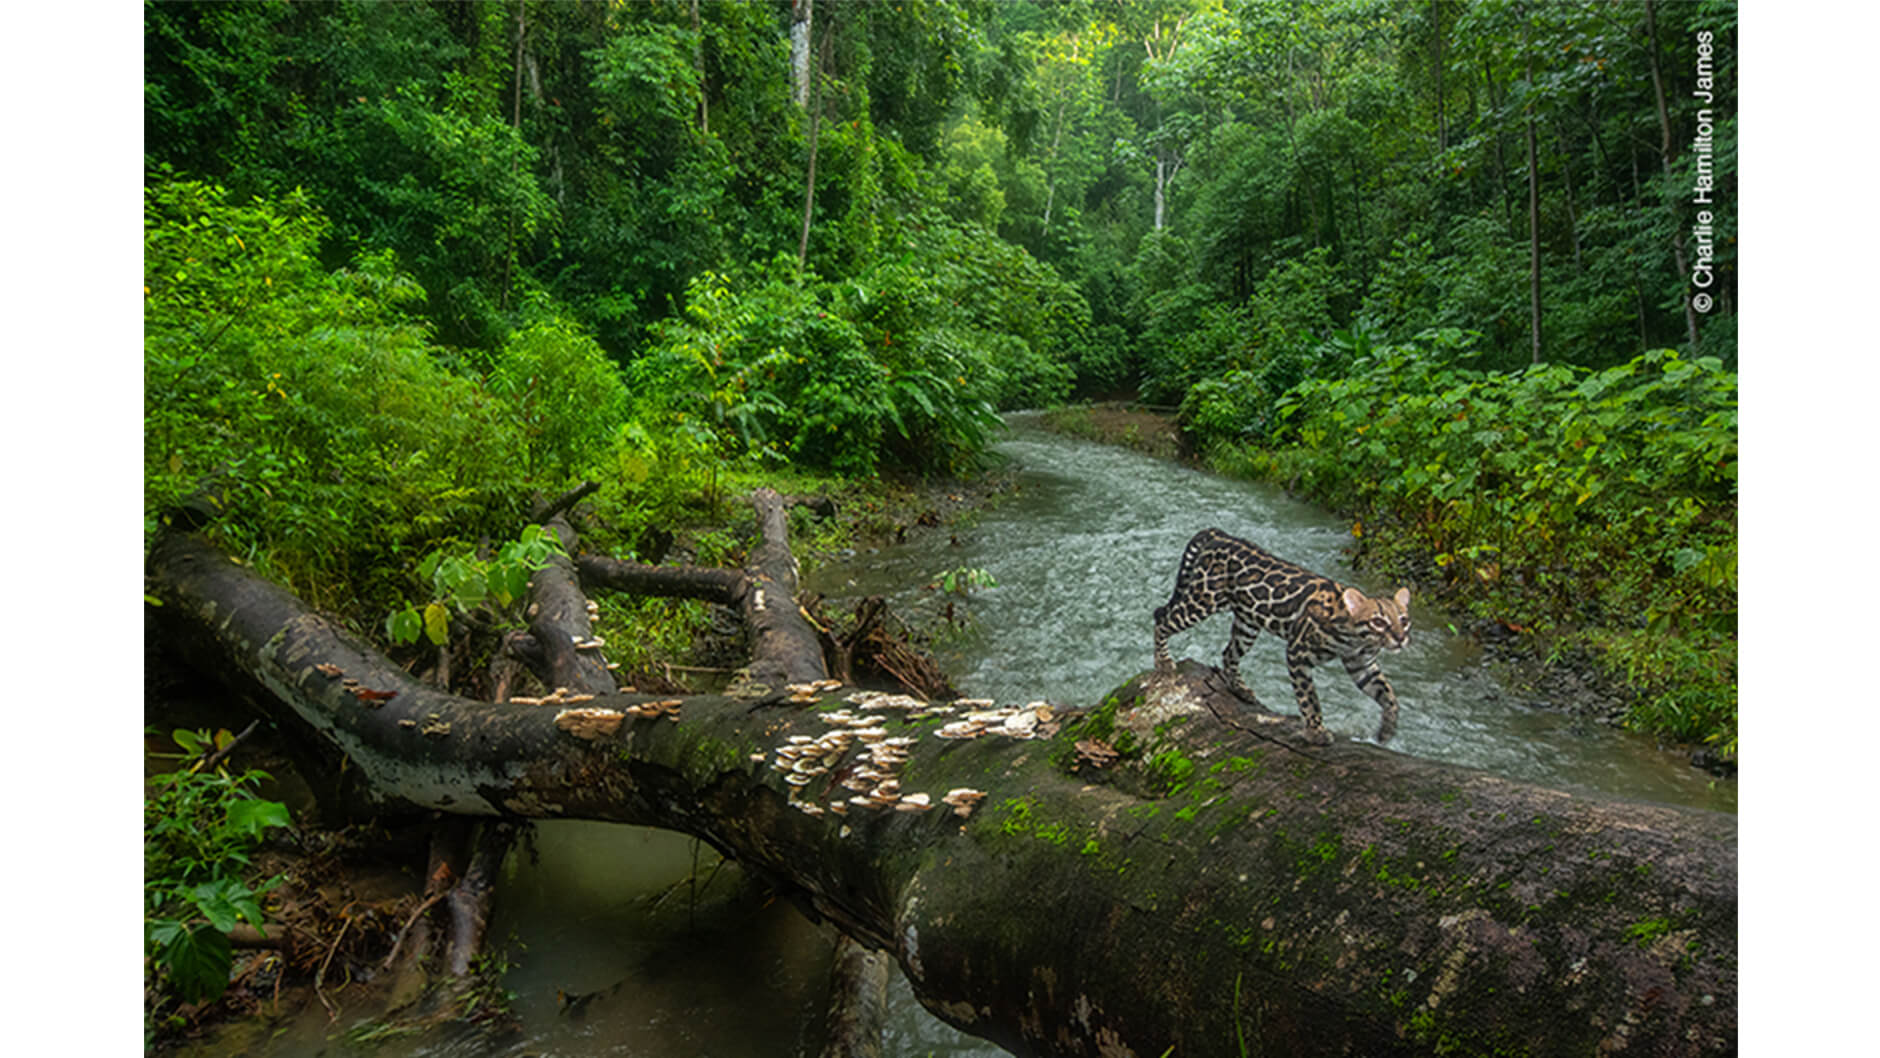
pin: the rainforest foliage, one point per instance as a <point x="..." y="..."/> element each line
<point x="1429" y="260"/>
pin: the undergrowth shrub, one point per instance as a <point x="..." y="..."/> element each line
<point x="568" y="397"/>
<point x="899" y="367"/>
<point x="1601" y="503"/>
<point x="202" y="826"/>
<point x="306" y="403"/>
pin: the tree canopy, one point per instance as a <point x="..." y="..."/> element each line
<point x="404" y="259"/>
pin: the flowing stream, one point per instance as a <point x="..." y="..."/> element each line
<point x="627" y="942"/>
<point x="1087" y="549"/>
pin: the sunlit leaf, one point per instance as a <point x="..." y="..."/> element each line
<point x="437" y="624"/>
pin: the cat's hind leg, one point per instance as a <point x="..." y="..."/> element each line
<point x="1242" y="637"/>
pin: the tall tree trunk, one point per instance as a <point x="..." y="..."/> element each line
<point x="1638" y="305"/>
<point x="809" y="176"/>
<point x="1437" y="35"/>
<point x="698" y="59"/>
<point x="801" y="17"/>
<point x="1161" y="186"/>
<point x="1601" y="156"/>
<point x="1501" y="160"/>
<point x="515" y="165"/>
<point x="1167" y="161"/>
<point x="1534" y="199"/>
<point x="1357" y="205"/>
<point x="1666" y="151"/>
<point x="1050" y="186"/>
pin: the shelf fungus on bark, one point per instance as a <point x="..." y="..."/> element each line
<point x="589" y="723"/>
<point x="1095" y="753"/>
<point x="963" y="800"/>
<point x="561" y="696"/>
<point x="668" y="708"/>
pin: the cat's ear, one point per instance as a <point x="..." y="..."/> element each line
<point x="1403" y="598"/>
<point x="1354" y="600"/>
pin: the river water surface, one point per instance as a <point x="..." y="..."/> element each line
<point x="1082" y="553"/>
<point x="1087" y="549"/>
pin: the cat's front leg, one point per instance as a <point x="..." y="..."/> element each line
<point x="1370" y="679"/>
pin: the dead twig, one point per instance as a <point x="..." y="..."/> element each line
<point x="406" y="928"/>
<point x="213" y="760"/>
<point x="319" y="977"/>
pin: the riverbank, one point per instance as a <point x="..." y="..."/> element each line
<point x="1548" y="653"/>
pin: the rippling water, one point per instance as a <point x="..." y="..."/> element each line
<point x="1087" y="549"/>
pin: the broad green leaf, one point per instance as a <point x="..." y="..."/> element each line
<point x="404" y="626"/>
<point x="190" y="741"/>
<point x="251" y="817"/>
<point x="216" y="901"/>
<point x="198" y="961"/>
<point x="437" y="624"/>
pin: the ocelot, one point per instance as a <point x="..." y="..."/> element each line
<point x="1318" y="618"/>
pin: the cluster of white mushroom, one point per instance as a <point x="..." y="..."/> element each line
<point x="1012" y="721"/>
<point x="869" y="779"/>
<point x="804" y="693"/>
<point x="913" y="707"/>
<point x="669" y="708"/>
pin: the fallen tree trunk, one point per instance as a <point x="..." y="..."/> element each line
<point x="1167" y="871"/>
<point x="724" y="586"/>
<point x="561" y="626"/>
<point x="783" y="645"/>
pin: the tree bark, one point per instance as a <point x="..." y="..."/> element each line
<point x="858" y="986"/>
<point x="560" y="625"/>
<point x="1169" y="870"/>
<point x="809" y="97"/>
<point x="784" y="647"/>
<point x="725" y="586"/>
<point x="802" y="17"/>
<point x="565" y="501"/>
<point x="1573" y="210"/>
<point x="1437" y="35"/>
<point x="698" y="60"/>
<point x="470" y="899"/>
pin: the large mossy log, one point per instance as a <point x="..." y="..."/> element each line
<point x="1221" y="887"/>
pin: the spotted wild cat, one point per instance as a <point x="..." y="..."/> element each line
<point x="1318" y="618"/>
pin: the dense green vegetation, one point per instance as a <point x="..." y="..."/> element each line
<point x="201" y="827"/>
<point x="407" y="264"/>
